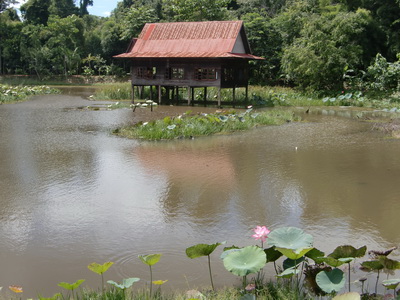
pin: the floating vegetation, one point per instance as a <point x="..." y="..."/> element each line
<point x="191" y="125"/>
<point x="10" y="93"/>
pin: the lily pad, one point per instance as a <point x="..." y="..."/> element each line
<point x="331" y="281"/>
<point x="247" y="260"/>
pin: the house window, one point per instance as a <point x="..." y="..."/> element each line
<point x="146" y="72"/>
<point x="205" y="74"/>
<point x="174" y="73"/>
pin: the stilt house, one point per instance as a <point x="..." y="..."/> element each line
<point x="190" y="55"/>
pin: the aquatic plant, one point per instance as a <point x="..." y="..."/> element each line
<point x="71" y="286"/>
<point x="344" y="254"/>
<point x="189" y="126"/>
<point x="100" y="269"/>
<point x="150" y="260"/>
<point x="261" y="233"/>
<point x="126" y="284"/>
<point x="331" y="281"/>
<point x="10" y="93"/>
<point x="391" y="284"/>
<point x="203" y="250"/>
<point x="244" y="261"/>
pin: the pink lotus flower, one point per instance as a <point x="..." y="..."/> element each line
<point x="260" y="233"/>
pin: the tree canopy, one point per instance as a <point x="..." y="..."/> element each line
<point x="307" y="43"/>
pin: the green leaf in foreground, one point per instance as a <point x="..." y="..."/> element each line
<point x="290" y="238"/>
<point x="245" y="261"/>
<point x="100" y="269"/>
<point x="126" y="283"/>
<point x="201" y="250"/>
<point x="332" y="281"/>
<point x="348" y="251"/>
<point x="71" y="286"/>
<point x="150" y="259"/>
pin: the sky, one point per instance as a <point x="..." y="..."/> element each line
<point x="100" y="8"/>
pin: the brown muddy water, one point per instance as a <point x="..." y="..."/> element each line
<point x="71" y="193"/>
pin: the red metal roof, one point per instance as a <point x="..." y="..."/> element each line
<point x="214" y="39"/>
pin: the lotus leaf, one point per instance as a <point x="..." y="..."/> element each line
<point x="372" y="265"/>
<point x="333" y="262"/>
<point x="100" y="269"/>
<point x="150" y="259"/>
<point x="126" y="283"/>
<point x="227" y="251"/>
<point x="159" y="282"/>
<point x="315" y="255"/>
<point x="71" y="286"/>
<point x="290" y="238"/>
<point x="389" y="264"/>
<point x="290" y="263"/>
<point x="391" y="283"/>
<point x="272" y="254"/>
<point x="348" y="296"/>
<point x="348" y="251"/>
<point x="247" y="260"/>
<point x="248" y="297"/>
<point x="331" y="281"/>
<point x="288" y="273"/>
<point x="294" y="254"/>
<point x="55" y="297"/>
<point x="201" y="250"/>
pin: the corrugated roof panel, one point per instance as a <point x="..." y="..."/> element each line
<point x="188" y="39"/>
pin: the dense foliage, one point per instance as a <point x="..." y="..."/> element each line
<point x="314" y="44"/>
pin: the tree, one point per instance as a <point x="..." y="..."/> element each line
<point x="265" y="41"/>
<point x="10" y="28"/>
<point x="134" y="20"/>
<point x="63" y="8"/>
<point x="36" y="11"/>
<point x="5" y="4"/>
<point x="327" y="45"/>
<point x="83" y="4"/>
<point x="196" y="10"/>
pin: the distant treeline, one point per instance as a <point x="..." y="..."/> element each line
<point x="316" y="44"/>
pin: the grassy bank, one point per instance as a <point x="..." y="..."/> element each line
<point x="10" y="94"/>
<point x="59" y="80"/>
<point x="191" y="125"/>
<point x="269" y="291"/>
<point x="266" y="96"/>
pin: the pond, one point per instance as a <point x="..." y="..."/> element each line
<point x="72" y="193"/>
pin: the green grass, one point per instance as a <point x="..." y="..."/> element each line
<point x="59" y="80"/>
<point x="116" y="91"/>
<point x="10" y="94"/>
<point x="268" y="291"/>
<point x="193" y="125"/>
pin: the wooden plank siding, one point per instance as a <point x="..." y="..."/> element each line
<point x="227" y="75"/>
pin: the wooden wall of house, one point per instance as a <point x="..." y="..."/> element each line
<point x="225" y="73"/>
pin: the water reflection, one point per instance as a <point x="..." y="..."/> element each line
<point x="71" y="193"/>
